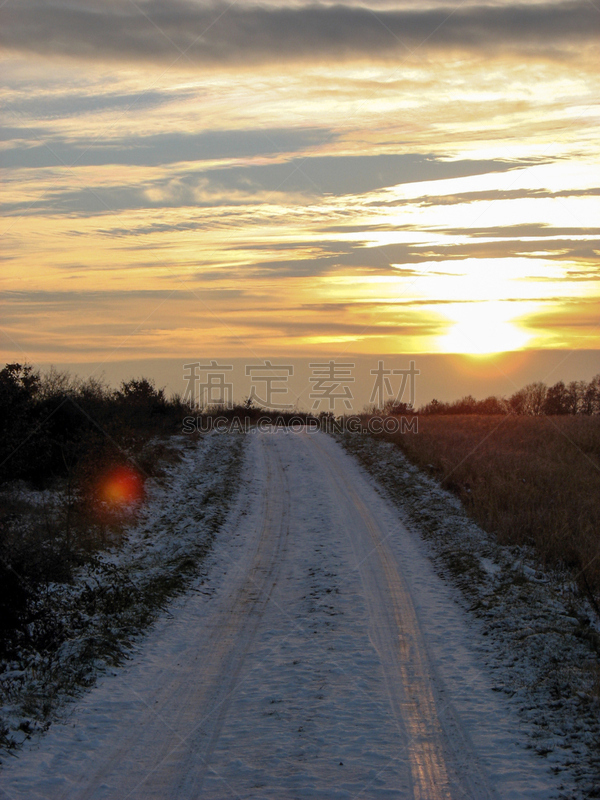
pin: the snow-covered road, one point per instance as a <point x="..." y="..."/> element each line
<point x="323" y="658"/>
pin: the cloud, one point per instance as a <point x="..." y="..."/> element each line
<point x="580" y="314"/>
<point x="8" y="134"/>
<point x="490" y="195"/>
<point x="165" y="148"/>
<point x="220" y="33"/>
<point x="109" y="308"/>
<point x="405" y="322"/>
<point x="526" y="230"/>
<point x="73" y="104"/>
<point x="395" y="259"/>
<point x="345" y="175"/>
<point x="309" y="176"/>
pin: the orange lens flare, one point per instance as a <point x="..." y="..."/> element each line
<point x="122" y="486"/>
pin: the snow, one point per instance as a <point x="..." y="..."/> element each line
<point x="533" y="630"/>
<point x="94" y="618"/>
<point x="323" y="657"/>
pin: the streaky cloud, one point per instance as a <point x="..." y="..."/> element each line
<point x="489" y="195"/>
<point x="165" y="148"/>
<point x="311" y="177"/>
<point x="526" y="230"/>
<point x="403" y="259"/>
<point x="346" y="175"/>
<point x="220" y="33"/>
<point x="8" y="134"/>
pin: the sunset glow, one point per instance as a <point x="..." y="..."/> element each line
<point x="483" y="328"/>
<point x="424" y="180"/>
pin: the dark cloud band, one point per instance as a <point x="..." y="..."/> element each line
<point x="221" y="33"/>
<point x="309" y="177"/>
<point x="159" y="149"/>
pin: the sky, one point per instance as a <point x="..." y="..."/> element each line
<point x="185" y="180"/>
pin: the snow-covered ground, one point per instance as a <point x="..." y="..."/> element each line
<point x="324" y="657"/>
<point x="90" y="622"/>
<point x="538" y="636"/>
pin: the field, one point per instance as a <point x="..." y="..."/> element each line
<point x="529" y="480"/>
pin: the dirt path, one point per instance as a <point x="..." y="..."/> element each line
<point x="324" y="659"/>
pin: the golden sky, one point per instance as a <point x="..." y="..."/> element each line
<point x="293" y="179"/>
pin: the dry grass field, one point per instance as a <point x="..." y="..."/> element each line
<point x="531" y="480"/>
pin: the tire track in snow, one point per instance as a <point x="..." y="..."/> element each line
<point x="240" y="621"/>
<point x="396" y="636"/>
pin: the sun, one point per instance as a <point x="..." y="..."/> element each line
<point x="484" y="328"/>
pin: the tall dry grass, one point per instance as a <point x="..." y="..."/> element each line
<point x="529" y="480"/>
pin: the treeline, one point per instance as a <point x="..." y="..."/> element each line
<point x="54" y="425"/>
<point x="535" y="399"/>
